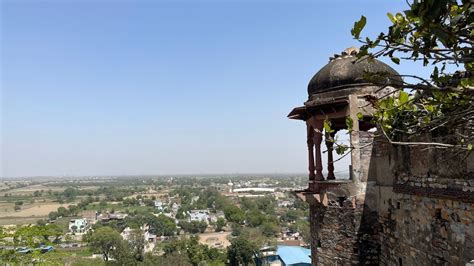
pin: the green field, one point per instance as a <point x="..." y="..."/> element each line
<point x="80" y="256"/>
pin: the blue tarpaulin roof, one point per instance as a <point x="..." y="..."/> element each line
<point x="294" y="255"/>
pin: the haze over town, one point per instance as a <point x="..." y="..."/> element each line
<point x="164" y="88"/>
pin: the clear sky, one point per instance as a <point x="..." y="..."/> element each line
<point x="162" y="87"/>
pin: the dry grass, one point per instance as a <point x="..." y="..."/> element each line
<point x="158" y="195"/>
<point x="28" y="190"/>
<point x="214" y="239"/>
<point x="40" y="209"/>
<point x="16" y="221"/>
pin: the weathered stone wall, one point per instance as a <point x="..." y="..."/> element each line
<point x="346" y="232"/>
<point x="344" y="228"/>
<point x="403" y="206"/>
<point x="426" y="231"/>
<point x="426" y="213"/>
<point x="337" y="231"/>
<point x="408" y="210"/>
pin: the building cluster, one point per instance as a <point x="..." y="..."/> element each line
<point x="150" y="238"/>
<point x="80" y="226"/>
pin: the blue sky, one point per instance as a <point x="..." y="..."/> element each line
<point x="161" y="87"/>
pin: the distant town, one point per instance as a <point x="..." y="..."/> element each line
<point x="202" y="220"/>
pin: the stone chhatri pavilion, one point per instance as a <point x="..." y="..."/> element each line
<point x="398" y="205"/>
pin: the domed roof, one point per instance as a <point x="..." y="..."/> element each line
<point x="347" y="70"/>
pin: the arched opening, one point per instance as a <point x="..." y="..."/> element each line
<point x="341" y="155"/>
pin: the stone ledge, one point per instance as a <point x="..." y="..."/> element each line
<point x="451" y="194"/>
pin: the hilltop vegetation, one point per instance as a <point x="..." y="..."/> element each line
<point x="149" y="221"/>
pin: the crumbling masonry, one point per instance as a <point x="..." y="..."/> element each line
<point x="402" y="205"/>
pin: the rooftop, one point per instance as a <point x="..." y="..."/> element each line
<point x="347" y="70"/>
<point x="294" y="255"/>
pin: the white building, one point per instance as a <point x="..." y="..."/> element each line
<point x="198" y="215"/>
<point x="126" y="233"/>
<point x="160" y="206"/>
<point x="78" y="225"/>
<point x="285" y="203"/>
<point x="150" y="239"/>
<point x="175" y="207"/>
<point x="254" y="189"/>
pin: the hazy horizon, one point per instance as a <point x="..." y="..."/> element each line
<point x="101" y="88"/>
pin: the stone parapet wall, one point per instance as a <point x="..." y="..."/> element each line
<point x="435" y="182"/>
<point x="426" y="231"/>
<point x="425" y="205"/>
<point x="338" y="231"/>
<point x="444" y="188"/>
<point x="344" y="231"/>
<point x="404" y="206"/>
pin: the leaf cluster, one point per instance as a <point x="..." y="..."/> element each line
<point x="436" y="32"/>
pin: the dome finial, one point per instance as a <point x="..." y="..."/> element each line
<point x="350" y="51"/>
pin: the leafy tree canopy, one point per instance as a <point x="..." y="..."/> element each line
<point x="241" y="251"/>
<point x="106" y="241"/>
<point x="440" y="34"/>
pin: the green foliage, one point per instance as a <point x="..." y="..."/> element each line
<point x="181" y="213"/>
<point x="12" y="257"/>
<point x="407" y="115"/>
<point x="71" y="210"/>
<point x="193" y="227"/>
<point x="62" y="212"/>
<point x="436" y="32"/>
<point x="103" y="203"/>
<point x="248" y="204"/>
<point x="254" y="218"/>
<point x="53" y="215"/>
<point x="292" y="215"/>
<point x="105" y="241"/>
<point x="241" y="251"/>
<point x="266" y="204"/>
<point x="3" y="234"/>
<point x="70" y="194"/>
<point x="207" y="198"/>
<point x="172" y="259"/>
<point x="35" y="234"/>
<point x="234" y="214"/>
<point x="194" y="252"/>
<point x="327" y="126"/>
<point x="349" y="124"/>
<point x="129" y="202"/>
<point x="137" y="245"/>
<point x="220" y="223"/>
<point x="269" y="229"/>
<point x="41" y="222"/>
<point x="160" y="225"/>
<point x="301" y="205"/>
<point x="302" y="226"/>
<point x="358" y="26"/>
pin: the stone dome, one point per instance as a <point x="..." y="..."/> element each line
<point x="346" y="70"/>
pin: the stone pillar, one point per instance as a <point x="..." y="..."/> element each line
<point x="311" y="168"/>
<point x="354" y="139"/>
<point x="318" y="137"/>
<point x="330" y="147"/>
